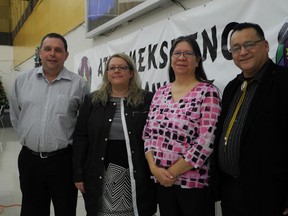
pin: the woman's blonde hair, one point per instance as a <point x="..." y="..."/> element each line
<point x="135" y="93"/>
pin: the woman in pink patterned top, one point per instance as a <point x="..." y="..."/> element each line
<point x="179" y="133"/>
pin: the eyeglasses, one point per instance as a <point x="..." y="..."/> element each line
<point x="247" y="46"/>
<point x="119" y="68"/>
<point x="187" y="54"/>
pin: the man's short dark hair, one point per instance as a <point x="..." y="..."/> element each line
<point x="55" y="35"/>
<point x="246" y="25"/>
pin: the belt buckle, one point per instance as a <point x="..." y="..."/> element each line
<point x="43" y="156"/>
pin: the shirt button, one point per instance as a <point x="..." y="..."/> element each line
<point x="132" y="152"/>
<point x="110" y="120"/>
<point x="100" y="177"/>
<point x="106" y="139"/>
<point x="129" y="132"/>
<point x="102" y="158"/>
<point x="114" y="104"/>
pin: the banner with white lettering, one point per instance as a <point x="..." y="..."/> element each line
<point x="210" y="24"/>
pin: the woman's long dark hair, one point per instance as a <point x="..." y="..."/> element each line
<point x="199" y="73"/>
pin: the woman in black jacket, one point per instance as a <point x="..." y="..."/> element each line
<point x="110" y="168"/>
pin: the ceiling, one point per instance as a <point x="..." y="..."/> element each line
<point x="5" y="16"/>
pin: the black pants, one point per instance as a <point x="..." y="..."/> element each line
<point x="184" y="202"/>
<point x="46" y="179"/>
<point x="231" y="204"/>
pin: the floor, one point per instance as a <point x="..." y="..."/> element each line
<point x="10" y="195"/>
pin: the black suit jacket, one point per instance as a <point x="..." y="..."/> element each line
<point x="263" y="145"/>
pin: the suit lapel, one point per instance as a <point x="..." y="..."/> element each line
<point x="262" y="91"/>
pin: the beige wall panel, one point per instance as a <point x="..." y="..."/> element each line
<point x="59" y="16"/>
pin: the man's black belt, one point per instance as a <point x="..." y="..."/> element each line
<point x="47" y="154"/>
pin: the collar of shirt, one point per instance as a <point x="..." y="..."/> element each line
<point x="259" y="74"/>
<point x="64" y="74"/>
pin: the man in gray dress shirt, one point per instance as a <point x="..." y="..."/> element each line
<point x="44" y="107"/>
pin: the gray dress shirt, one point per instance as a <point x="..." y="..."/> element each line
<point x="44" y="114"/>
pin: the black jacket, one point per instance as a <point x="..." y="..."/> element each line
<point x="89" y="145"/>
<point x="263" y="145"/>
